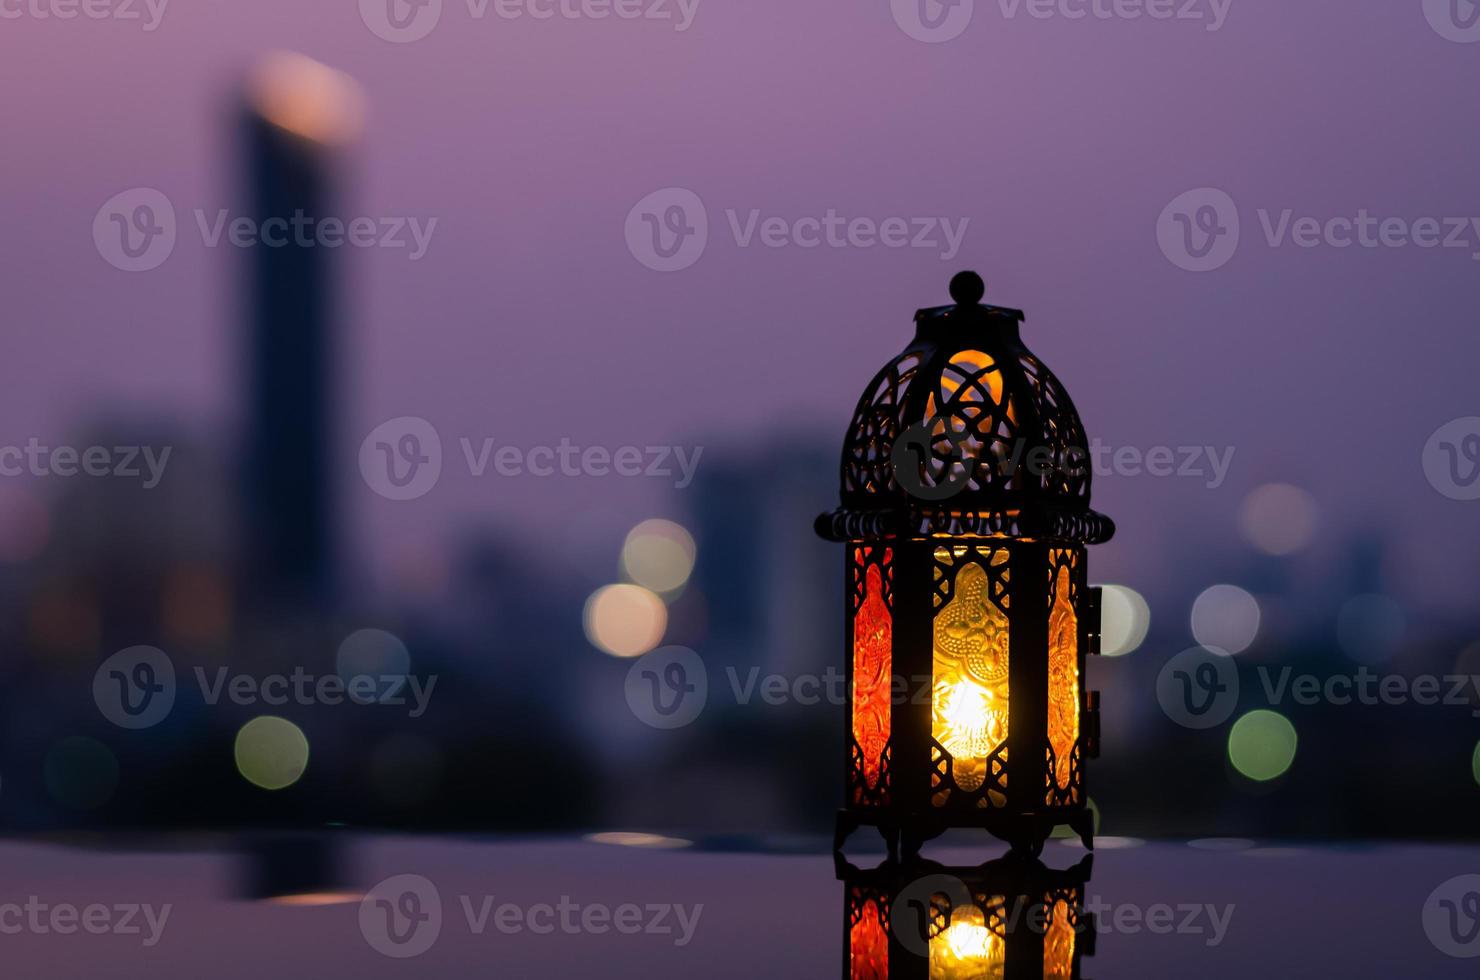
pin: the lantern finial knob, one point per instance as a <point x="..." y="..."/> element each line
<point x="967" y="288"/>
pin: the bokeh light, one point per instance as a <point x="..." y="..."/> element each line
<point x="374" y="653"/>
<point x="1369" y="627"/>
<point x="1261" y="745"/>
<point x="1225" y="618"/>
<point x="627" y="838"/>
<point x="659" y="555"/>
<point x="307" y="98"/>
<point x="271" y="752"/>
<point x="1124" y="619"/>
<point x="1475" y="763"/>
<point x="1221" y="844"/>
<point x="1278" y="519"/>
<point x="625" y="620"/>
<point x="81" y="773"/>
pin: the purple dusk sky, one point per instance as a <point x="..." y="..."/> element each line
<point x="528" y="319"/>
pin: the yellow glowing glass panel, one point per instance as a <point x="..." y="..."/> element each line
<point x="969" y="703"/>
<point x="967" y="949"/>
<point x="1058" y="944"/>
<point x="1063" y="678"/>
<point x="868" y="947"/>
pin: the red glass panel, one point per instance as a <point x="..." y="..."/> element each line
<point x="868" y="947"/>
<point x="873" y="641"/>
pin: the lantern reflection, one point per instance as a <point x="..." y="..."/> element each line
<point x="1013" y="919"/>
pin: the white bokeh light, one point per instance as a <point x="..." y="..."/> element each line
<point x="1124" y="619"/>
<point x="1226" y="618"/>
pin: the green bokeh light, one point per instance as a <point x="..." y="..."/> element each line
<point x="1261" y="745"/>
<point x="271" y="752"/>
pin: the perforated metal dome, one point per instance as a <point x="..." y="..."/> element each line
<point x="966" y="432"/>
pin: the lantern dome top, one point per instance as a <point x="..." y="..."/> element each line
<point x="966" y="432"/>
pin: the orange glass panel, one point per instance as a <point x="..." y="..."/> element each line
<point x="1063" y="678"/>
<point x="868" y="947"/>
<point x="1058" y="944"/>
<point x="873" y="639"/>
<point x="969" y="703"/>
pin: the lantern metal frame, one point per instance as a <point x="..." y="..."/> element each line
<point x="965" y="449"/>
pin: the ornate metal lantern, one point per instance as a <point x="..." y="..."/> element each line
<point x="1011" y="919"/>
<point x="965" y="512"/>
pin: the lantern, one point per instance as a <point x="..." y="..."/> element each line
<point x="1011" y="919"/>
<point x="965" y="512"/>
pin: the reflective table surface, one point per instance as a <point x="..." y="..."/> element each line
<point x="631" y="905"/>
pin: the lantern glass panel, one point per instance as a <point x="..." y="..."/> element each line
<point x="1058" y="941"/>
<point x="873" y="644"/>
<point x="1063" y="678"/>
<point x="969" y="700"/>
<point x="968" y="948"/>
<point x="868" y="945"/>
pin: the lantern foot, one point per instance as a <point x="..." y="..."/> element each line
<point x="844" y="826"/>
<point x="1083" y="824"/>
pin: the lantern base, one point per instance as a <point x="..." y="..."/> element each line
<point x="1025" y="834"/>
